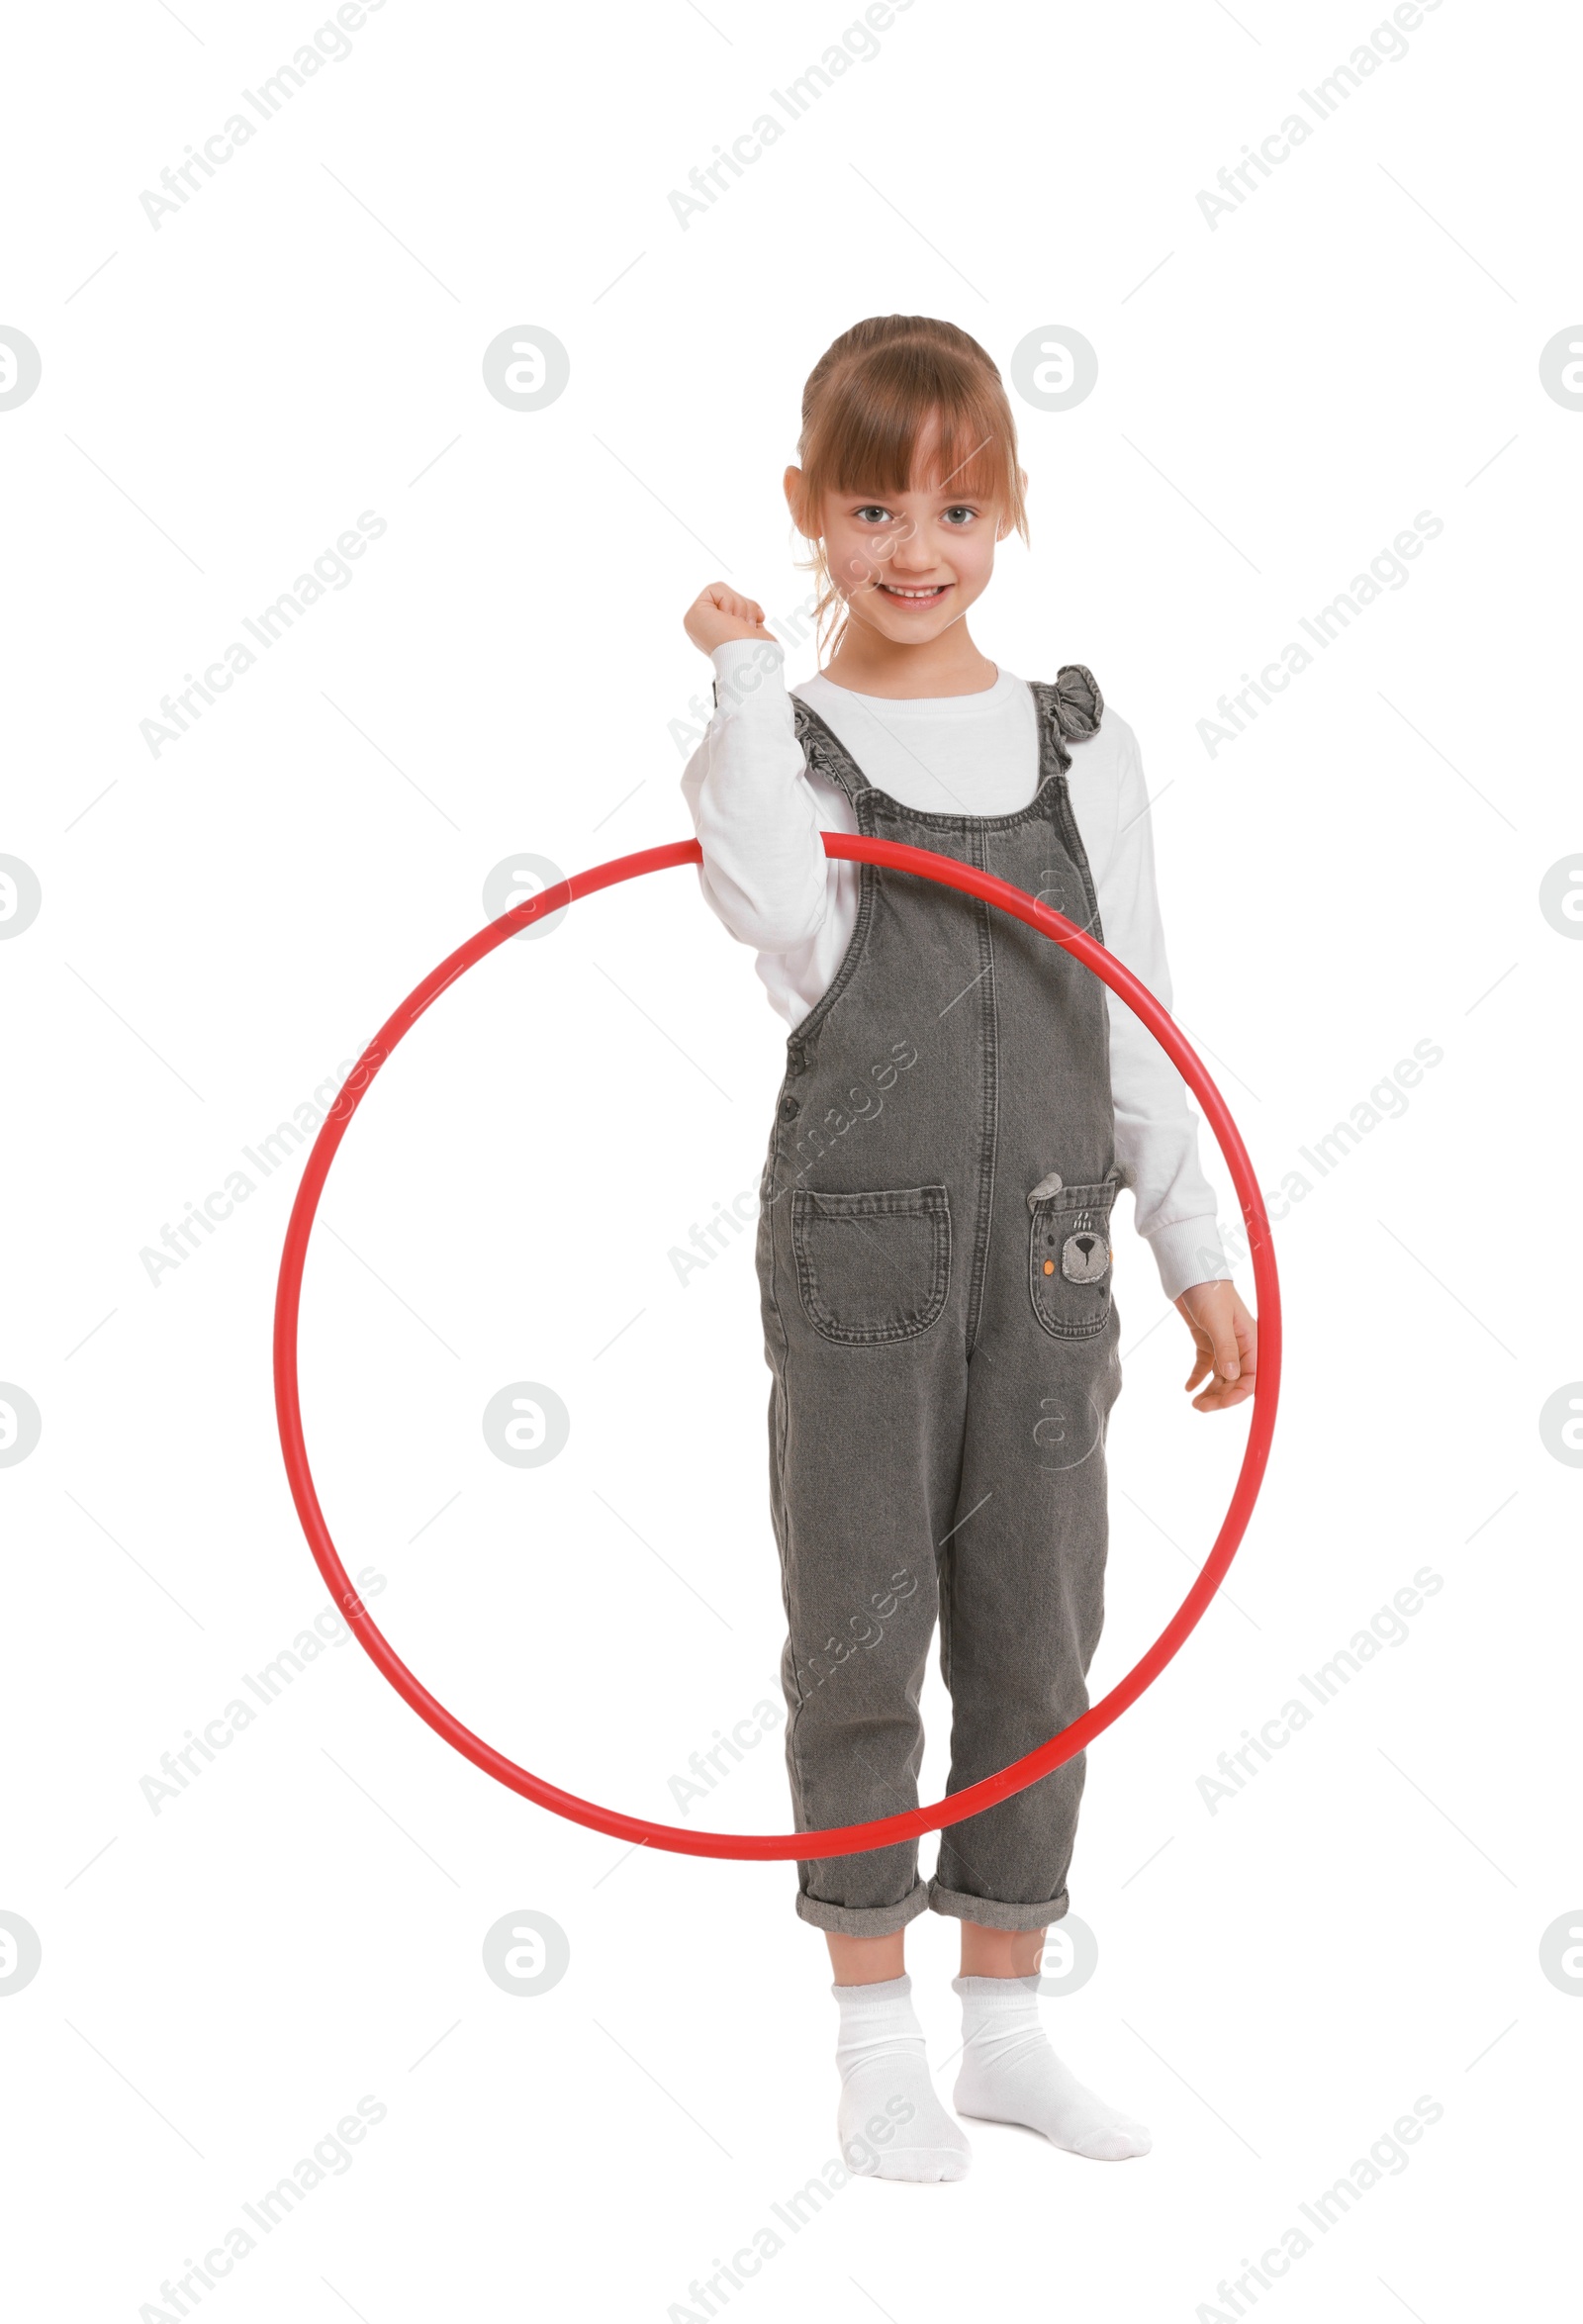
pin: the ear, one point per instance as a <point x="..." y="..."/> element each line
<point x="793" y="485"/>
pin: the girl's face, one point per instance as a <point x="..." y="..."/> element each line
<point x="909" y="564"/>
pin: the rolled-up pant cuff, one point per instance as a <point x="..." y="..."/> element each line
<point x="987" y="1914"/>
<point x="863" y="1920"/>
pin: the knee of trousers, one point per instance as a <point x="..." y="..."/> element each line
<point x="853" y="1760"/>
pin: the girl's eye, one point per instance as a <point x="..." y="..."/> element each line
<point x="958" y="517"/>
<point x="873" y="513"/>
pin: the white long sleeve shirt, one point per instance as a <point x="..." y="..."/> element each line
<point x="758" y="811"/>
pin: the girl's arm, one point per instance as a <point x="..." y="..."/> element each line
<point x="765" y="871"/>
<point x="1157" y="1137"/>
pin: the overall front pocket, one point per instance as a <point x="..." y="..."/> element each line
<point x="1069" y="1259"/>
<point x="874" y="1266"/>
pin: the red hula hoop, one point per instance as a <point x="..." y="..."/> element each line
<point x="845" y="1840"/>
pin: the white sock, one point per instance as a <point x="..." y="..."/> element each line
<point x="1010" y="2074"/>
<point x="890" y="2122"/>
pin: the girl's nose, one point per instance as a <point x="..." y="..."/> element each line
<point x="913" y="561"/>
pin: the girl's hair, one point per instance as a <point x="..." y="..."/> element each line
<point x="869" y="400"/>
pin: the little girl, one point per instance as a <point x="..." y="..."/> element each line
<point x="962" y="1102"/>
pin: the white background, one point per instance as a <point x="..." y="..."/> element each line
<point x="221" y="926"/>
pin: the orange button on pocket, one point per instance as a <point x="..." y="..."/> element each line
<point x="1049" y="1266"/>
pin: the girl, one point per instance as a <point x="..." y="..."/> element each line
<point x="962" y="1102"/>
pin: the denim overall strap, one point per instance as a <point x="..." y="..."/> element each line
<point x="827" y="755"/>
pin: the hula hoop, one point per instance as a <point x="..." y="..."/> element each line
<point x="844" y="1839"/>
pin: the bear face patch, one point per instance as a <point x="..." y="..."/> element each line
<point x="1085" y="1256"/>
<point x="1070" y="1256"/>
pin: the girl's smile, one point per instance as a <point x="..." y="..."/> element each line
<point x="914" y="597"/>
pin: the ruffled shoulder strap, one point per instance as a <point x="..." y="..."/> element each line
<point x="825" y="752"/>
<point x="1069" y="710"/>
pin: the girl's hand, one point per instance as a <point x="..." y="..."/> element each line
<point x="720" y="614"/>
<point x="1226" y="1338"/>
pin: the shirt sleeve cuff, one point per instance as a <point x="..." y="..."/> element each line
<point x="1189" y="1252"/>
<point x="744" y="666"/>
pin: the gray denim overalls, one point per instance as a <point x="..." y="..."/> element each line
<point x="934" y="1258"/>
